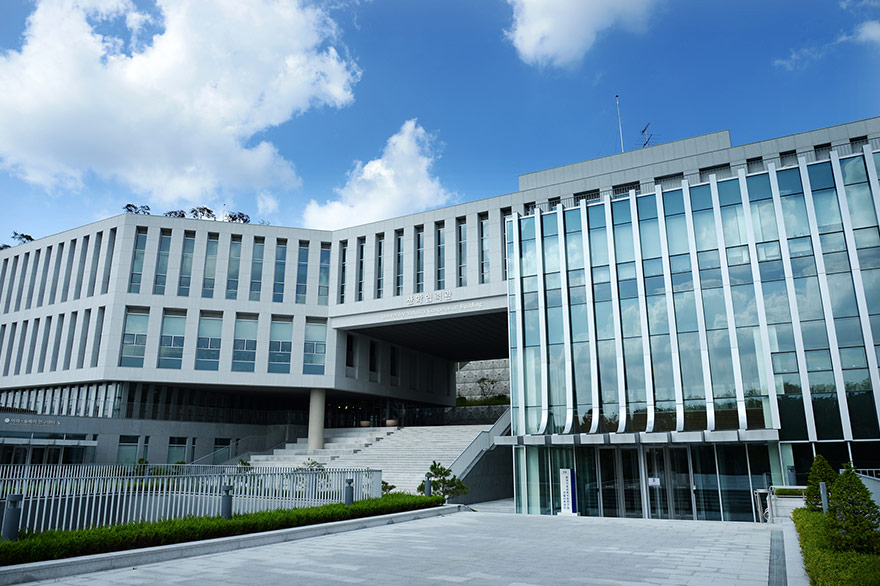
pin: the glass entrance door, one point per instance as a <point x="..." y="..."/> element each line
<point x="680" y="483"/>
<point x="658" y="483"/>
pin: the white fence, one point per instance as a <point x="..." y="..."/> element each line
<point x="83" y="496"/>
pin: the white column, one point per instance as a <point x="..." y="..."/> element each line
<point x="316" y="419"/>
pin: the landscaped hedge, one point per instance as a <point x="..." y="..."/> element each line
<point x="824" y="565"/>
<point x="52" y="545"/>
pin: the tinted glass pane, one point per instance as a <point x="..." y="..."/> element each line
<point x="759" y="187"/>
<point x="821" y="176"/>
<point x="790" y="181"/>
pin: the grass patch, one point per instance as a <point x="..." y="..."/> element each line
<point x="51" y="545"/>
<point x="824" y="565"/>
<point x="482" y="401"/>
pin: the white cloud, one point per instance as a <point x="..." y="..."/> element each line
<point x="267" y="204"/>
<point x="868" y="32"/>
<point x="397" y="183"/>
<point x="559" y="33"/>
<point x="800" y="58"/>
<point x="174" y="117"/>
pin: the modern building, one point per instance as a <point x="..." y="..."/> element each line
<point x="687" y="323"/>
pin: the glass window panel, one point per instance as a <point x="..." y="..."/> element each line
<point x="620" y="212"/>
<point x="596" y="216"/>
<point x="551" y="254"/>
<point x="871" y="283"/>
<point x="721" y="364"/>
<point x="776" y="302"/>
<point x="629" y="318"/>
<point x="572" y="220"/>
<point x="210" y="327"/>
<point x="821" y="176"/>
<point x="604" y="320"/>
<point x="728" y="192"/>
<point x="800" y="247"/>
<point x="843" y="296"/>
<point x="714" y="309"/>
<point x="826" y="410"/>
<point x="769" y="251"/>
<point x="574" y="250"/>
<point x="673" y="202"/>
<point x="680" y="263"/>
<point x="658" y="316"/>
<point x="781" y="338"/>
<point x="532" y="333"/>
<point x="527" y="229"/>
<point x="740" y="275"/>
<point x="814" y="334"/>
<point x="691" y="366"/>
<point x="647" y="207"/>
<point x="549" y="225"/>
<point x="790" y="181"/>
<point x="804" y="266"/>
<point x="737" y="255"/>
<point x="654" y="285"/>
<point x="661" y="361"/>
<point x="623" y="243"/>
<point x="853" y="169"/>
<point x="579" y="331"/>
<point x="759" y="187"/>
<point x="554" y="326"/>
<point x="764" y="220"/>
<point x="704" y="230"/>
<point x="745" y="309"/>
<point x="867" y="237"/>
<point x="701" y="197"/>
<point x="734" y="224"/>
<point x="598" y="248"/>
<point x="818" y="360"/>
<point x="794" y="214"/>
<point x="861" y="205"/>
<point x="685" y="312"/>
<point x="833" y="242"/>
<point x="649" y="238"/>
<point x="784" y="362"/>
<point x="676" y="234"/>
<point x="827" y="210"/>
<point x="848" y="331"/>
<point x="809" y="300"/>
<point x="709" y="259"/>
<point x="710" y="278"/>
<point x="683" y="282"/>
<point x="853" y="358"/>
<point x="653" y="267"/>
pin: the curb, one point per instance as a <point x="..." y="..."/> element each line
<point x="65" y="568"/>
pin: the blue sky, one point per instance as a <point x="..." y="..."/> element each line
<point x="333" y="113"/>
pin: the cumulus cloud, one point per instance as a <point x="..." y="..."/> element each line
<point x="868" y="32"/>
<point x="397" y="183"/>
<point x="267" y="204"/>
<point x="175" y="116"/>
<point x="559" y="33"/>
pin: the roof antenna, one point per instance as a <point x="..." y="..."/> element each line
<point x="646" y="137"/>
<point x="619" y="126"/>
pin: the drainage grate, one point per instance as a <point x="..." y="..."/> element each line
<point x="777" y="575"/>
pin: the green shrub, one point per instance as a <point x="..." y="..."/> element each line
<point x="789" y="492"/>
<point x="820" y="471"/>
<point x="444" y="482"/>
<point x="824" y="565"/>
<point x="853" y="517"/>
<point x="51" y="545"/>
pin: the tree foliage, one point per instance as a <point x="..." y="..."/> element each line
<point x="240" y="217"/>
<point x="130" y="208"/>
<point x="175" y="214"/>
<point x="22" y="238"/>
<point x="853" y="518"/>
<point x="444" y="482"/>
<point x="820" y="471"/>
<point x="202" y="213"/>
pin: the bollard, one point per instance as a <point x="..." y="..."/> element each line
<point x="428" y="477"/>
<point x="11" y="518"/>
<point x="226" y="501"/>
<point x="823" y="492"/>
<point x="348" y="492"/>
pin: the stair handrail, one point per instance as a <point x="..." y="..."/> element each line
<point x="251" y="443"/>
<point x="482" y="443"/>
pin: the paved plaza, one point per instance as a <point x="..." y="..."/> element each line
<point x="484" y="547"/>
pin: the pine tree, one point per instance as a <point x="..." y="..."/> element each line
<point x="820" y="471"/>
<point x="853" y="519"/>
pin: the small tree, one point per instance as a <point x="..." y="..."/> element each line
<point x="444" y="483"/>
<point x="130" y="208"/>
<point x="853" y="519"/>
<point x="175" y="214"/>
<point x="487" y="386"/>
<point x="239" y="217"/>
<point x="820" y="471"/>
<point x="202" y="213"/>
<point x="22" y="238"/>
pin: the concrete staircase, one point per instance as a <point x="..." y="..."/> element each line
<point x="402" y="454"/>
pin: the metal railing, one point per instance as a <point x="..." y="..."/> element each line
<point x="483" y="442"/>
<point x="871" y="472"/>
<point x="85" y="496"/>
<point x="244" y="446"/>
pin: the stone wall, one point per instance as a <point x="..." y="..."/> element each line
<point x="495" y="376"/>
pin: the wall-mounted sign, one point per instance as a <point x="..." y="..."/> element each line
<point x="567" y="493"/>
<point x="653" y="481"/>
<point x="30" y="421"/>
<point x="425" y="298"/>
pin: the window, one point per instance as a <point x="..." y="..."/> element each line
<point x="788" y="159"/>
<point x="528" y="208"/>
<point x="669" y="181"/>
<point x="380" y="265"/>
<point x="822" y="151"/>
<point x="171" y="339"/>
<point x="134" y="337"/>
<point x="208" y="344"/>
<point x="440" y="250"/>
<point x="350" y="355"/>
<point x="720" y="172"/>
<point x="590" y="195"/>
<point x="280" y="336"/>
<point x="398" y="262"/>
<point x="257" y="268"/>
<point x="244" y="345"/>
<point x="553" y="202"/>
<point x="280" y="265"/>
<point x="186" y="262"/>
<point x="315" y="347"/>
<point x="856" y="143"/>
<point x="461" y="252"/>
<point x="210" y="266"/>
<point x="359" y="291"/>
<point x="374" y="361"/>
<point x="302" y="271"/>
<point x="176" y="450"/>
<point x="126" y="453"/>
<point x="233" y="267"/>
<point x="420" y="259"/>
<point x="395" y="365"/>
<point x="624" y="189"/>
<point x="508" y="238"/>
<point x="324" y="274"/>
<point x="483" y="219"/>
<point x="343" y="261"/>
<point x="137" y="261"/>
<point x="755" y="165"/>
<point x="162" y="263"/>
